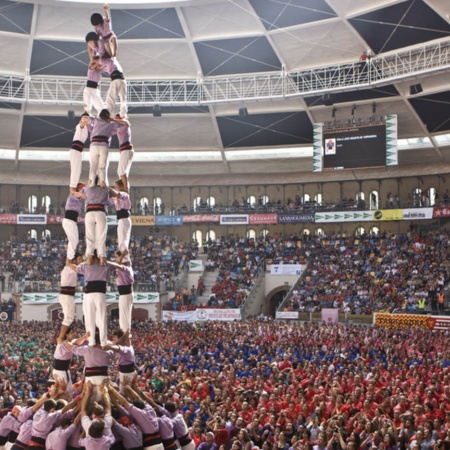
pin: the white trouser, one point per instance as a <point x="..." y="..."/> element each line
<point x="75" y="158"/>
<point x="125" y="308"/>
<point x="91" y="97"/>
<point x="96" y="381"/>
<point x="94" y="310"/>
<point x="124" y="234"/>
<point x="190" y="446"/>
<point x="125" y="161"/>
<point x="64" y="376"/>
<point x="95" y="226"/>
<point x="155" y="447"/>
<point x="124" y="379"/>
<point x="68" y="306"/>
<point x="70" y="227"/>
<point x="117" y="88"/>
<point x="98" y="160"/>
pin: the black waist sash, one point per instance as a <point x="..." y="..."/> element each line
<point x="67" y="290"/>
<point x="125" y="289"/>
<point x="170" y="444"/>
<point x="95" y="286"/>
<point x="71" y="215"/>
<point x="128" y="368"/>
<point x="151" y="439"/>
<point x="123" y="214"/>
<point x="62" y="364"/>
<point x="96" y="371"/>
<point x="184" y="440"/>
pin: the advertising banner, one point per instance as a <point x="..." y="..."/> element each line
<point x="408" y="321"/>
<point x="196" y="265"/>
<point x="57" y="220"/>
<point x="199" y="218"/>
<point x="235" y="219"/>
<point x="256" y="219"/>
<point x="330" y="315"/>
<point x="31" y="219"/>
<point x="8" y="219"/>
<point x="285" y="269"/>
<point x="388" y="214"/>
<point x="344" y="216"/>
<point x="296" y="218"/>
<point x="143" y="221"/>
<point x="441" y="211"/>
<point x="218" y="314"/>
<point x="283" y="315"/>
<point x="224" y="315"/>
<point x="38" y="298"/>
<point x="417" y="213"/>
<point x="169" y="220"/>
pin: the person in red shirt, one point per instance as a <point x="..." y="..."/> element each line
<point x="221" y="434"/>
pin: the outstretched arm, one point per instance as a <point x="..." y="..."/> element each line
<point x="120" y="399"/>
<point x="106" y="398"/>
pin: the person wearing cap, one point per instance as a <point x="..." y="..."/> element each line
<point x="76" y="151"/>
<point x="69" y="280"/>
<point x="73" y="207"/>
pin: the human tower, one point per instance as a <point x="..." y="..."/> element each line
<point x="99" y="122"/>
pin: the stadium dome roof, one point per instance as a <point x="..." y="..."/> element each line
<point x="233" y="79"/>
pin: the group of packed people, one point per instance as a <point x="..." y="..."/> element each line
<point x="240" y="385"/>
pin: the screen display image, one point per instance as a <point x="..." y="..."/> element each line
<point x="354" y="147"/>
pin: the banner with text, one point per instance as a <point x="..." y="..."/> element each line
<point x="286" y="269"/>
<point x="31" y="219"/>
<point x="8" y="219"/>
<point x="255" y="219"/>
<point x="170" y="221"/>
<point x="201" y="218"/>
<point x="296" y="218"/>
<point x="440" y="212"/>
<point x="284" y="315"/>
<point x="235" y="219"/>
<point x="417" y="213"/>
<point x="143" y="221"/>
<point x="221" y="315"/>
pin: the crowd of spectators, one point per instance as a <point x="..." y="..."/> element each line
<point x="388" y="272"/>
<point x="37" y="264"/>
<point x="270" y="385"/>
<point x="391" y="272"/>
